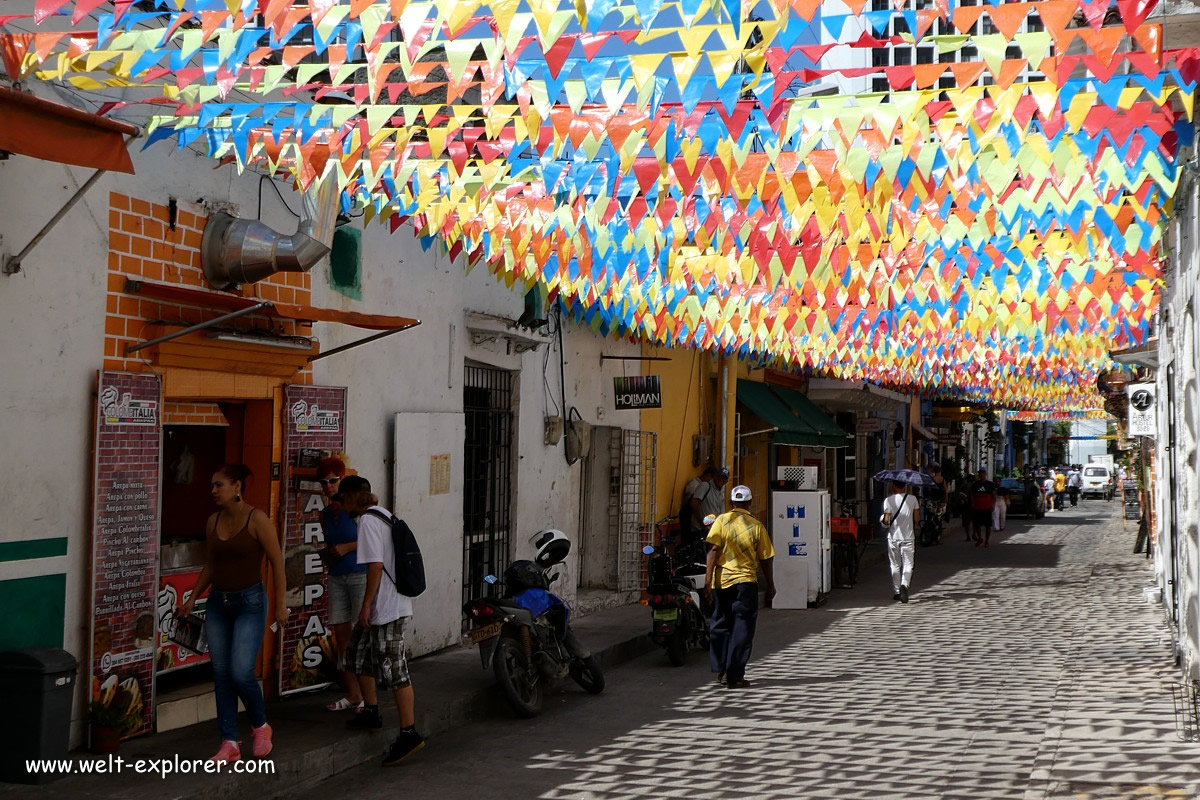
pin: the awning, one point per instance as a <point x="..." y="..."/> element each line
<point x="853" y="396"/>
<point x="31" y="126"/>
<point x="797" y="421"/>
<point x="236" y="306"/>
<point x="922" y="431"/>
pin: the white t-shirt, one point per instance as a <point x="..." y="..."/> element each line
<point x="901" y="507"/>
<point x="375" y="545"/>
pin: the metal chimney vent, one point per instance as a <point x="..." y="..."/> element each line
<point x="238" y="251"/>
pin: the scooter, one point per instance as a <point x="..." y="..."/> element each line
<point x="524" y="634"/>
<point x="675" y="595"/>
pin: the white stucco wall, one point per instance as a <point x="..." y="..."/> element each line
<point x="52" y="318"/>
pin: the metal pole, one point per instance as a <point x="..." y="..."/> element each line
<point x="12" y="264"/>
<point x="241" y="312"/>
<point x="367" y="340"/>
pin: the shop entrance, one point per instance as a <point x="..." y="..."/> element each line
<point x="198" y="437"/>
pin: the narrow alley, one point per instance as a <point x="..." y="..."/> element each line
<point x="1030" y="669"/>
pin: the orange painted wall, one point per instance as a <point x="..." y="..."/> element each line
<point x="142" y="246"/>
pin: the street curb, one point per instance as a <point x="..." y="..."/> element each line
<point x="304" y="770"/>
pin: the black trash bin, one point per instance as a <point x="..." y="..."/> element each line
<point x="37" y="686"/>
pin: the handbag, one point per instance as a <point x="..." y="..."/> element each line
<point x="188" y="633"/>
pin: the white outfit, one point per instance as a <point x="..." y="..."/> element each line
<point x="901" y="540"/>
<point x="375" y="546"/>
<point x="1048" y="490"/>
<point x="999" y="514"/>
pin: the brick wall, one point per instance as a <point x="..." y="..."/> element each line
<point x="142" y="246"/>
<point x="182" y="413"/>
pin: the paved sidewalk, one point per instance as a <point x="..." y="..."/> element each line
<point x="1029" y="670"/>
<point x="312" y="743"/>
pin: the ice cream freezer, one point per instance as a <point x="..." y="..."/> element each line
<point x="803" y="544"/>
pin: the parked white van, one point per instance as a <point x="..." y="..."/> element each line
<point x="1098" y="481"/>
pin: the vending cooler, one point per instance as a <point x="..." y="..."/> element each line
<point x="803" y="548"/>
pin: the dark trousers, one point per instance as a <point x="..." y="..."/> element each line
<point x="731" y="630"/>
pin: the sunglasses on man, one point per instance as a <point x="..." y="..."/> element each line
<point x="329" y="481"/>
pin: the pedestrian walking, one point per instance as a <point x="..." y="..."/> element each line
<point x="901" y="515"/>
<point x="239" y="536"/>
<point x="1060" y="489"/>
<point x="347" y="579"/>
<point x="1000" y="512"/>
<point x="376" y="652"/>
<point x="1048" y="488"/>
<point x="983" y="503"/>
<point x="740" y="546"/>
<point x="1075" y="483"/>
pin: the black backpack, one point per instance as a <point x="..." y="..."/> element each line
<point x="408" y="571"/>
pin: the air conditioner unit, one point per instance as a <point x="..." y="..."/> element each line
<point x="804" y="477"/>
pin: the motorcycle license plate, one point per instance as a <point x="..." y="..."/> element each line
<point x="666" y="613"/>
<point x="483" y="634"/>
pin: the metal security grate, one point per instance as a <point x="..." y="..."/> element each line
<point x="487" y="484"/>
<point x="639" y="458"/>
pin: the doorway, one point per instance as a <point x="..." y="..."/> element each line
<point x="487" y="476"/>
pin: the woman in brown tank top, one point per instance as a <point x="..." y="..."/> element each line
<point x="239" y="536"/>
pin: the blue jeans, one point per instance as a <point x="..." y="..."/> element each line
<point x="731" y="630"/>
<point x="234" y="624"/>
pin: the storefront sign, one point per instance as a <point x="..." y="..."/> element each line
<point x="868" y="425"/>
<point x="125" y="535"/>
<point x="314" y="425"/>
<point x="174" y="590"/>
<point x="1142" y="420"/>
<point x="639" y="391"/>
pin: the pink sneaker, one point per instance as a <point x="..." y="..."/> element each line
<point x="262" y="741"/>
<point x="230" y="751"/>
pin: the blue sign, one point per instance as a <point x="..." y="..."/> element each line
<point x="797" y="549"/>
<point x="795" y="512"/>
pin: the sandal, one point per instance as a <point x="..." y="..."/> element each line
<point x="343" y="705"/>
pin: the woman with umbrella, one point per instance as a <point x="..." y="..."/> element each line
<point x="901" y="516"/>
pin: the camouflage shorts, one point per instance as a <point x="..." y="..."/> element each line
<point x="377" y="651"/>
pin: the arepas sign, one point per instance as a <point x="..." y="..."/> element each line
<point x="640" y="391"/>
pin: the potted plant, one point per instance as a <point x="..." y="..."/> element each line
<point x="107" y="726"/>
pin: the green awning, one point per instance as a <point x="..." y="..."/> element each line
<point x="799" y="422"/>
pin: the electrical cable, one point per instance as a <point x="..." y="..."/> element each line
<point x="547" y="392"/>
<point x="262" y="178"/>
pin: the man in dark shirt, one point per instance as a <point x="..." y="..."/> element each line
<point x="983" y="502"/>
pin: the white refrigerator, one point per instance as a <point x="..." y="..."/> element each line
<point x="803" y="548"/>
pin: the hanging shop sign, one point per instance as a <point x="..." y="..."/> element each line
<point x="639" y="391"/>
<point x="868" y="425"/>
<point x="125" y="524"/>
<point x="1142" y="411"/>
<point x="314" y="427"/>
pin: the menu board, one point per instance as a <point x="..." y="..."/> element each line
<point x="1133" y="502"/>
<point x="314" y="424"/>
<point x="173" y="591"/>
<point x="126" y="501"/>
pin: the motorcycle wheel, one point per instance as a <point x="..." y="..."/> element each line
<point x="522" y="690"/>
<point x="677" y="648"/>
<point x="586" y="672"/>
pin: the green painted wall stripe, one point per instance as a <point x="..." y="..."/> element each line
<point x="42" y="602"/>
<point x="33" y="548"/>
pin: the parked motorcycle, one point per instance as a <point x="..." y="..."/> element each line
<point x="675" y="595"/>
<point x="524" y="634"/>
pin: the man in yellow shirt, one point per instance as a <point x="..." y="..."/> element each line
<point x="739" y="546"/>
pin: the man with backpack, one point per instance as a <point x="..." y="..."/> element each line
<point x="376" y="652"/>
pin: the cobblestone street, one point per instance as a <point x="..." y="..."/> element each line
<point x="1030" y="669"/>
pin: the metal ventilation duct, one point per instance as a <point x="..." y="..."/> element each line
<point x="237" y="251"/>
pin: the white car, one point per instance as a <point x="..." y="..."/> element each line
<point x="1097" y="481"/>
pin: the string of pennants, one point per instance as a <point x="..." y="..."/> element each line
<point x="662" y="169"/>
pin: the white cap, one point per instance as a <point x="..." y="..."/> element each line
<point x="741" y="494"/>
